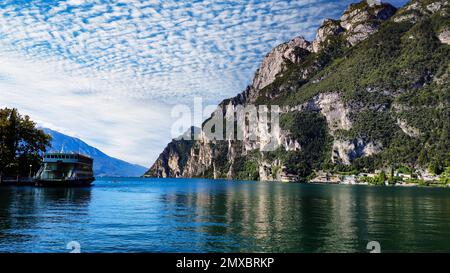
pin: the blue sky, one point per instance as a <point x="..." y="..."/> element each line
<point x="109" y="71"/>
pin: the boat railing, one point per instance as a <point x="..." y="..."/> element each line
<point x="16" y="180"/>
<point x="9" y="178"/>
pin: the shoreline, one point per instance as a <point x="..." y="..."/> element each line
<point x="426" y="184"/>
<point x="429" y="185"/>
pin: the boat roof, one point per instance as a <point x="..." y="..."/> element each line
<point x="66" y="155"/>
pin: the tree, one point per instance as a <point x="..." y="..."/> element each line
<point x="21" y="143"/>
<point x="381" y="177"/>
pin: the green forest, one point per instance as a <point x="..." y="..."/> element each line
<point x="21" y="144"/>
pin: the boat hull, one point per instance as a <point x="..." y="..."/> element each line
<point x="65" y="183"/>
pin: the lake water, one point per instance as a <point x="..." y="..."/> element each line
<point x="198" y="215"/>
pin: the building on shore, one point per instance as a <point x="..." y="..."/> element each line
<point x="288" y="178"/>
<point x="326" y="178"/>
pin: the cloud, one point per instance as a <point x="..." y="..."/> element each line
<point x="121" y="126"/>
<point x="106" y="70"/>
<point x="76" y="2"/>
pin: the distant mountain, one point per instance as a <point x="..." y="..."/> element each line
<point x="104" y="165"/>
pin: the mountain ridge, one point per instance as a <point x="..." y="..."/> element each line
<point x="104" y="165"/>
<point x="369" y="93"/>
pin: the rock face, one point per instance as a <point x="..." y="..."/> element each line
<point x="360" y="21"/>
<point x="327" y="29"/>
<point x="167" y="164"/>
<point x="416" y="10"/>
<point x="347" y="108"/>
<point x="271" y="171"/>
<point x="277" y="61"/>
<point x="437" y="6"/>
<point x="172" y="161"/>
<point x="334" y="110"/>
<point x="444" y="36"/>
<point x="357" y="23"/>
<point x="409" y="130"/>
<point x="345" y="151"/>
<point x="200" y="158"/>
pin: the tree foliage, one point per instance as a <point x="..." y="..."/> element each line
<point x="21" y="143"/>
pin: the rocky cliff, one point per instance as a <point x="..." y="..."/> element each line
<point x="371" y="91"/>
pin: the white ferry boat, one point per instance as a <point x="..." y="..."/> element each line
<point x="65" y="170"/>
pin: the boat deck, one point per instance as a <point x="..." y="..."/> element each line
<point x="17" y="182"/>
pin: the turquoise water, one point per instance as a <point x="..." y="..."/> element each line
<point x="197" y="215"/>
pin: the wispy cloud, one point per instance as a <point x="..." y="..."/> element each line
<point x="108" y="71"/>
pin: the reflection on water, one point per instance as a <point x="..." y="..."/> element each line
<point x="30" y="215"/>
<point x="154" y="215"/>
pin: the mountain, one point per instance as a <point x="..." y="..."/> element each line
<point x="370" y="93"/>
<point x="104" y="165"/>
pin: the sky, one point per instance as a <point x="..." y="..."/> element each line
<point x="111" y="71"/>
